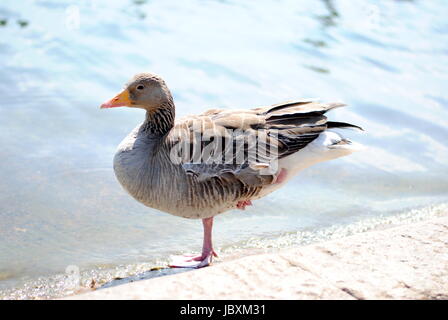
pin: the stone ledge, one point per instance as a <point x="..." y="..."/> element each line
<point x="404" y="262"/>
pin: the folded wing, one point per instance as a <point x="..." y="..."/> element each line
<point x="247" y="144"/>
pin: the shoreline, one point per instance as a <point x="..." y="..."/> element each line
<point x="402" y="262"/>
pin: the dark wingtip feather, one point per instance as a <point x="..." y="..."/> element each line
<point x="335" y="124"/>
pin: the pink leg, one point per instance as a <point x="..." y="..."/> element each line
<point x="281" y="176"/>
<point x="242" y="204"/>
<point x="207" y="255"/>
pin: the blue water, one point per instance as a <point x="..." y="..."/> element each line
<point x="60" y="204"/>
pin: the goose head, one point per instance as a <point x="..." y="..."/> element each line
<point x="145" y="90"/>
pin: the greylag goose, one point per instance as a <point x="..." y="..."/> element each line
<point x="203" y="165"/>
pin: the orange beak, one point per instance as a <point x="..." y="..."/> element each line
<point x="120" y="100"/>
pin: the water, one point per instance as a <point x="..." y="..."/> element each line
<point x="60" y="204"/>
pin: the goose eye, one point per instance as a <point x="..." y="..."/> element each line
<point x="140" y="87"/>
